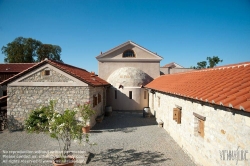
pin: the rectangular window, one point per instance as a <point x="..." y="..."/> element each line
<point x="4" y="92"/>
<point x="199" y="124"/>
<point x="47" y="72"/>
<point x="159" y="101"/>
<point x="177" y="115"/>
<point x="145" y="94"/>
<point x="99" y="98"/>
<point x="115" y="94"/>
<point x="201" y="128"/>
<point x="94" y="100"/>
<point x="130" y="94"/>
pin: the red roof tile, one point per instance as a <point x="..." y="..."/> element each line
<point x="226" y="85"/>
<point x="76" y="72"/>
<point x="15" y="67"/>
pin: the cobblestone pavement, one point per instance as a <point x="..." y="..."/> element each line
<point x="125" y="138"/>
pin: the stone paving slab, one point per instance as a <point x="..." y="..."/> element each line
<point x="122" y="139"/>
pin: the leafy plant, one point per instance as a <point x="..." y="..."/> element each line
<point x="212" y="61"/>
<point x="86" y="112"/>
<point x="38" y="120"/>
<point x="64" y="127"/>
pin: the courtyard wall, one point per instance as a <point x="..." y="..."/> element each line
<point x="226" y="131"/>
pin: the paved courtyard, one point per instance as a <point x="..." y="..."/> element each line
<point x="124" y="138"/>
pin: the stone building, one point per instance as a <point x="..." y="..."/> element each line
<point x="6" y="71"/>
<point x="128" y="67"/>
<point x="207" y="112"/>
<point x="9" y="70"/>
<point x="51" y="80"/>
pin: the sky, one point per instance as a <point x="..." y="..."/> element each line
<point x="181" y="31"/>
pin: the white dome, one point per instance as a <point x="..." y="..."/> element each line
<point x="129" y="77"/>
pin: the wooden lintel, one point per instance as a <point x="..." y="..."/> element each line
<point x="199" y="116"/>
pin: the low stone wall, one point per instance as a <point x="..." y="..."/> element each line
<point x="226" y="132"/>
<point x="22" y="100"/>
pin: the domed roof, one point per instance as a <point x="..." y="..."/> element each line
<point x="129" y="77"/>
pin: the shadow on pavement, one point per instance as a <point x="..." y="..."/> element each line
<point x="121" y="121"/>
<point x="126" y="157"/>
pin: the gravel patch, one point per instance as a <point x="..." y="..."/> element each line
<point x="122" y="139"/>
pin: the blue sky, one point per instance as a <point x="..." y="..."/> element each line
<point x="181" y="31"/>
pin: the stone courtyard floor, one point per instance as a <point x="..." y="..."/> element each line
<point x="125" y="138"/>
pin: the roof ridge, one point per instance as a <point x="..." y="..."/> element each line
<point x="69" y="69"/>
<point x="17" y="63"/>
<point x="145" y="48"/>
<point x="65" y="64"/>
<point x="244" y="64"/>
<point x="19" y="74"/>
<point x="128" y="42"/>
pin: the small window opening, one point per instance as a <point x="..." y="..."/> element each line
<point x="128" y="53"/>
<point x="145" y="94"/>
<point x="47" y="72"/>
<point x="159" y="101"/>
<point x="115" y="94"/>
<point x="4" y="92"/>
<point x="130" y="94"/>
<point x="94" y="100"/>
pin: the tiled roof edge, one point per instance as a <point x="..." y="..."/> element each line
<point x="57" y="65"/>
<point x="22" y="72"/>
<point x="241" y="108"/>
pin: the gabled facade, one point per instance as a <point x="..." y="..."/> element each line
<point x="51" y="80"/>
<point x="207" y="112"/>
<point x="118" y="57"/>
<point x="128" y="67"/>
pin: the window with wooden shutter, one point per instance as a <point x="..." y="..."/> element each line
<point x="201" y="127"/>
<point x="177" y="115"/>
<point x="199" y="124"/>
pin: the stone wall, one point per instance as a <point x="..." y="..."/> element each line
<point x="226" y="131"/>
<point x="22" y="100"/>
<point x="100" y="107"/>
<point x="53" y="77"/>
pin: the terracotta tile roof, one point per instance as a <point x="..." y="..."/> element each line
<point x="15" y="67"/>
<point x="226" y="85"/>
<point x="76" y="72"/>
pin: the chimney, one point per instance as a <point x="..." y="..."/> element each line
<point x="92" y="74"/>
